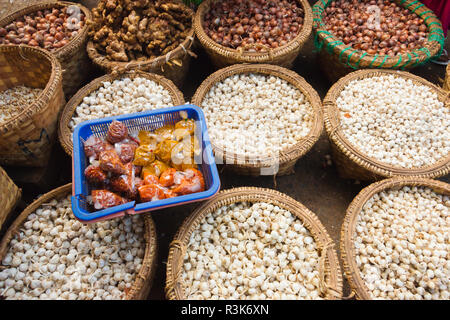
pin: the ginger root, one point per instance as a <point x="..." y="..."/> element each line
<point x="126" y="30"/>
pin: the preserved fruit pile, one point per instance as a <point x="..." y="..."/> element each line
<point x="148" y="167"/>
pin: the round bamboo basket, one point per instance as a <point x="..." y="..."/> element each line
<point x="222" y="56"/>
<point x="337" y="59"/>
<point x="447" y="78"/>
<point x="9" y="196"/>
<point x="287" y="158"/>
<point x="141" y="286"/>
<point x="65" y="133"/>
<point x="354" y="164"/>
<point x="174" y="65"/>
<point x="351" y="270"/>
<point x="73" y="57"/>
<point x="331" y="277"/>
<point x="26" y="139"/>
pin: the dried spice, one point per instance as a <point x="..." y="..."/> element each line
<point x="127" y="30"/>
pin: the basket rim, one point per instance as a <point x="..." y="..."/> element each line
<point x="362" y="59"/>
<point x="119" y="66"/>
<point x="289" y="154"/>
<point x="336" y="135"/>
<point x="74" y="43"/>
<point x="64" y="133"/>
<point x="148" y="265"/>
<point x="348" y="255"/>
<point x="332" y="271"/>
<point x="10" y="192"/>
<point x="44" y="97"/>
<point x="252" y="57"/>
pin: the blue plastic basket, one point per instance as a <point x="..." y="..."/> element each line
<point x="149" y="120"/>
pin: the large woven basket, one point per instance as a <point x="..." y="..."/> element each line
<point x="354" y="164"/>
<point x="174" y="65"/>
<point x="141" y="286"/>
<point x="64" y="132"/>
<point x="338" y="59"/>
<point x="331" y="276"/>
<point x="351" y="270"/>
<point x="288" y="157"/>
<point x="9" y="196"/>
<point x="73" y="57"/>
<point x="27" y="138"/>
<point x="222" y="56"/>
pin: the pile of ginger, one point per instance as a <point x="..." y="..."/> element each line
<point x="126" y="30"/>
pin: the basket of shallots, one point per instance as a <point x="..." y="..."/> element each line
<point x="142" y="162"/>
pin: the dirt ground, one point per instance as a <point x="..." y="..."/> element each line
<point x="314" y="183"/>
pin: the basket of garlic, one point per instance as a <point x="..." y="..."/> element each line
<point x="10" y="196"/>
<point x="394" y="240"/>
<point x="113" y="95"/>
<point x="48" y="254"/>
<point x="252" y="243"/>
<point x="31" y="97"/>
<point x="261" y="118"/>
<point x="384" y="123"/>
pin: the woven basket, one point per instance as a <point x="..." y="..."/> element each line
<point x="331" y="276"/>
<point x="338" y="59"/>
<point x="27" y="138"/>
<point x="73" y="57"/>
<point x="447" y="78"/>
<point x="141" y="286"/>
<point x="222" y="56"/>
<point x="174" y="65"/>
<point x="351" y="270"/>
<point x="9" y="196"/>
<point x="64" y="132"/>
<point x="352" y="163"/>
<point x="287" y="158"/>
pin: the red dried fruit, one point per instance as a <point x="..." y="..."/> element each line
<point x="110" y="161"/>
<point x="102" y="199"/>
<point x="94" y="174"/>
<point x="117" y="132"/>
<point x="126" y="150"/>
<point x="94" y="146"/>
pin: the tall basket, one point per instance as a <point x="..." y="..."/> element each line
<point x="27" y="138"/>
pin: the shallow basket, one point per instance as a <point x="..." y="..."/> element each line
<point x="351" y="162"/>
<point x="9" y="196"/>
<point x="331" y="277"/>
<point x="141" y="286"/>
<point x="149" y="120"/>
<point x="174" y="65"/>
<point x="351" y="270"/>
<point x="64" y="132"/>
<point x="73" y="57"/>
<point x="287" y="158"/>
<point x="222" y="56"/>
<point x="337" y="59"/>
<point x="27" y="138"/>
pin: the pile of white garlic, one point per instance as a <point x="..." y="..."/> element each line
<point x="395" y="121"/>
<point x="54" y="256"/>
<point x="251" y="251"/>
<point x="256" y="115"/>
<point x="14" y="100"/>
<point x="402" y="244"/>
<point x="122" y="96"/>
